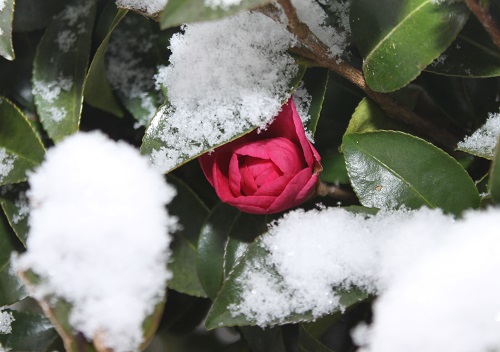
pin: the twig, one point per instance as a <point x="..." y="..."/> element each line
<point x="317" y="51"/>
<point x="324" y="190"/>
<point x="486" y="19"/>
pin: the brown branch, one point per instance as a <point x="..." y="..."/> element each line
<point x="318" y="52"/>
<point x="486" y="19"/>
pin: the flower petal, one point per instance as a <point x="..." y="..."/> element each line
<point x="288" y="197"/>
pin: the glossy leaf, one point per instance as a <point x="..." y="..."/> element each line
<point x="308" y="343"/>
<point x="12" y="289"/>
<point x="178" y="12"/>
<point x="211" y="245"/>
<point x="494" y="181"/>
<point x="30" y="332"/>
<point x="315" y="81"/>
<point x="14" y="203"/>
<point x="98" y="91"/>
<point x="368" y="117"/>
<point x="60" y="68"/>
<point x="231" y="293"/>
<point x="191" y="213"/>
<point x="132" y="58"/>
<point x="393" y="169"/>
<point x="20" y="148"/>
<point x="472" y="54"/>
<point x="399" y="38"/>
<point x="7" y="241"/>
<point x="6" y="18"/>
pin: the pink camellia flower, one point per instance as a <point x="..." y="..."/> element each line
<point x="266" y="172"/>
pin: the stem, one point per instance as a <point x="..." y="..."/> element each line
<point x="486" y="19"/>
<point x="323" y="190"/>
<point x="317" y="51"/>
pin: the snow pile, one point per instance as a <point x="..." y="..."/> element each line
<point x="484" y="140"/>
<point x="150" y="7"/>
<point x="99" y="236"/>
<point x="449" y="300"/>
<point x="317" y="251"/>
<point x="221" y="85"/>
<point x="6" y="319"/>
<point x="312" y="14"/>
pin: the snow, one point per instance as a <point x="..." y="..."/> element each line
<point x="484" y="140"/>
<point x="449" y="300"/>
<point x="6" y="319"/>
<point x="312" y="14"/>
<point x="6" y="163"/>
<point x="240" y="82"/>
<point x="224" y="4"/>
<point x="150" y="7"/>
<point x="319" y="250"/>
<point x="74" y="16"/>
<point x="2" y="4"/>
<point x="50" y="91"/>
<point x="99" y="236"/>
<point x="435" y="276"/>
<point x="66" y="40"/>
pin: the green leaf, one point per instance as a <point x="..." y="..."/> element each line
<point x="30" y="332"/>
<point x="400" y="38"/>
<point x="132" y="58"/>
<point x="494" y="182"/>
<point x="98" y="91"/>
<point x="192" y="214"/>
<point x="6" y="18"/>
<point x="308" y="343"/>
<point x="369" y="117"/>
<point x="315" y="81"/>
<point x="12" y="289"/>
<point x="178" y="12"/>
<point x="20" y="148"/>
<point x="232" y="290"/>
<point x="211" y="246"/>
<point x="14" y="203"/>
<point x="32" y="15"/>
<point x="334" y="169"/>
<point x="7" y="241"/>
<point x="60" y="67"/>
<point x="472" y="54"/>
<point x="264" y="340"/>
<point x="393" y="169"/>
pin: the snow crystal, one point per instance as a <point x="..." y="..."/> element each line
<point x="2" y="4"/>
<point x="99" y="236"/>
<point x="50" y="91"/>
<point x="148" y="6"/>
<point x="74" y="14"/>
<point x="450" y="298"/>
<point x="56" y="114"/>
<point x="221" y="85"/>
<point x="224" y="4"/>
<point x="312" y="14"/>
<point x="6" y="319"/>
<point x="126" y="70"/>
<point x="317" y="251"/>
<point x="66" y="40"/>
<point x="484" y="140"/>
<point x="6" y="163"/>
<point x="21" y="203"/>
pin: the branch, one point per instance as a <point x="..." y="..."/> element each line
<point x="318" y="52"/>
<point x="486" y="19"/>
<point x="323" y="190"/>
